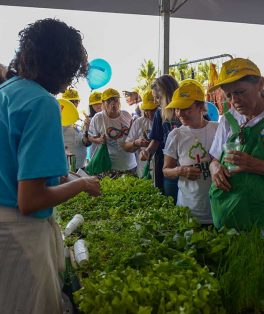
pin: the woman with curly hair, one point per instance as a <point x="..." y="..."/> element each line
<point x="32" y="160"/>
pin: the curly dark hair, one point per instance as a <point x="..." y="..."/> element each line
<point x="51" y="53"/>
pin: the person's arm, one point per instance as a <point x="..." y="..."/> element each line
<point x="100" y="139"/>
<point x="96" y="130"/>
<point x="134" y="145"/>
<point x="34" y="195"/>
<point x="156" y="137"/>
<point x="148" y="152"/>
<point x="172" y="170"/>
<point x="220" y="175"/>
<point x="85" y="139"/>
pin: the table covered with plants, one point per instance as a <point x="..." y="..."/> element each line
<point x="148" y="256"/>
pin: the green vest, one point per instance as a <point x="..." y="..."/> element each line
<point x="243" y="206"/>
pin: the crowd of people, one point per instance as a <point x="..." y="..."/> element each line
<point x="171" y="133"/>
<point x="185" y="150"/>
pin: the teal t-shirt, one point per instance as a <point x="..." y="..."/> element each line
<point x="31" y="140"/>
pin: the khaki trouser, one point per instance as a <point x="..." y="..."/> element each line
<point x="31" y="255"/>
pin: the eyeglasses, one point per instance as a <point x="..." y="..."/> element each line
<point x="112" y="99"/>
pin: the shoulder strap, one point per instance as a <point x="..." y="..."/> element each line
<point x="231" y="119"/>
<point x="257" y="127"/>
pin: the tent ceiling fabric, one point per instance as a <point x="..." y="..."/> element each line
<point x="241" y="11"/>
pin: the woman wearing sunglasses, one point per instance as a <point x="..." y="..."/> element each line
<point x="112" y="126"/>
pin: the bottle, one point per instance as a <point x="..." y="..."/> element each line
<point x="81" y="252"/>
<point x="73" y="163"/>
<point x="72" y="225"/>
<point x="71" y="281"/>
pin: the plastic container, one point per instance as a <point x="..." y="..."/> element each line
<point x="76" y="221"/>
<point x="227" y="148"/>
<point x="82" y="173"/>
<point x="81" y="252"/>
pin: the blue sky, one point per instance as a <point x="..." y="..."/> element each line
<point x="126" y="40"/>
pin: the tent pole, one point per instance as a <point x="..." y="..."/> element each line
<point x="165" y="35"/>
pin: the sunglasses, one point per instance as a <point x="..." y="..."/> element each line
<point x="127" y="94"/>
<point x="112" y="99"/>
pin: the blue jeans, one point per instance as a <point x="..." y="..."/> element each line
<point x="171" y="188"/>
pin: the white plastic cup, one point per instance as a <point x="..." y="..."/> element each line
<point x="227" y="148"/>
<point x="72" y="225"/>
<point x="80" y="252"/>
<point x="82" y="173"/>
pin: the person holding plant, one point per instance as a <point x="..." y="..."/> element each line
<point x="236" y="194"/>
<point x="164" y="122"/>
<point x="138" y="136"/>
<point x="186" y="153"/>
<point x="111" y="126"/>
<point x="32" y="161"/>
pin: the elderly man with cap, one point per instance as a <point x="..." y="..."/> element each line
<point x="133" y="100"/>
<point x="138" y="135"/>
<point x="186" y="151"/>
<point x="74" y="138"/>
<point x="236" y="194"/>
<point x="112" y="126"/>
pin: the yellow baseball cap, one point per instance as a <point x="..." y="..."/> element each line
<point x="110" y="92"/>
<point x="186" y="94"/>
<point x="233" y="70"/>
<point x="71" y="94"/>
<point x="148" y="101"/>
<point x="95" y="98"/>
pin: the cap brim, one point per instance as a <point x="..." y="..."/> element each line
<point x="72" y="98"/>
<point x="146" y="107"/>
<point x="104" y="99"/>
<point x="230" y="80"/>
<point x="95" y="103"/>
<point x="180" y="104"/>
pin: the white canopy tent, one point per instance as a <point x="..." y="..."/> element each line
<point x="240" y="11"/>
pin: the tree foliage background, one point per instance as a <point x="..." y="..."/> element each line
<point x="148" y="72"/>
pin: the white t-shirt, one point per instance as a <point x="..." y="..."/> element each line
<point x="190" y="148"/>
<point x="140" y="128"/>
<point x="73" y="140"/>
<point x="224" y="131"/>
<point x="131" y="109"/>
<point x="116" y="131"/>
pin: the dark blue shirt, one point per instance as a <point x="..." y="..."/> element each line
<point x="160" y="131"/>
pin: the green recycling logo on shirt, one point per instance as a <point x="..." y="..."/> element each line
<point x="197" y="151"/>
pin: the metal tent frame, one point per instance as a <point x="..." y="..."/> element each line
<point x="239" y="11"/>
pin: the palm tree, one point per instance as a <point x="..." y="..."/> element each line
<point x="146" y="76"/>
